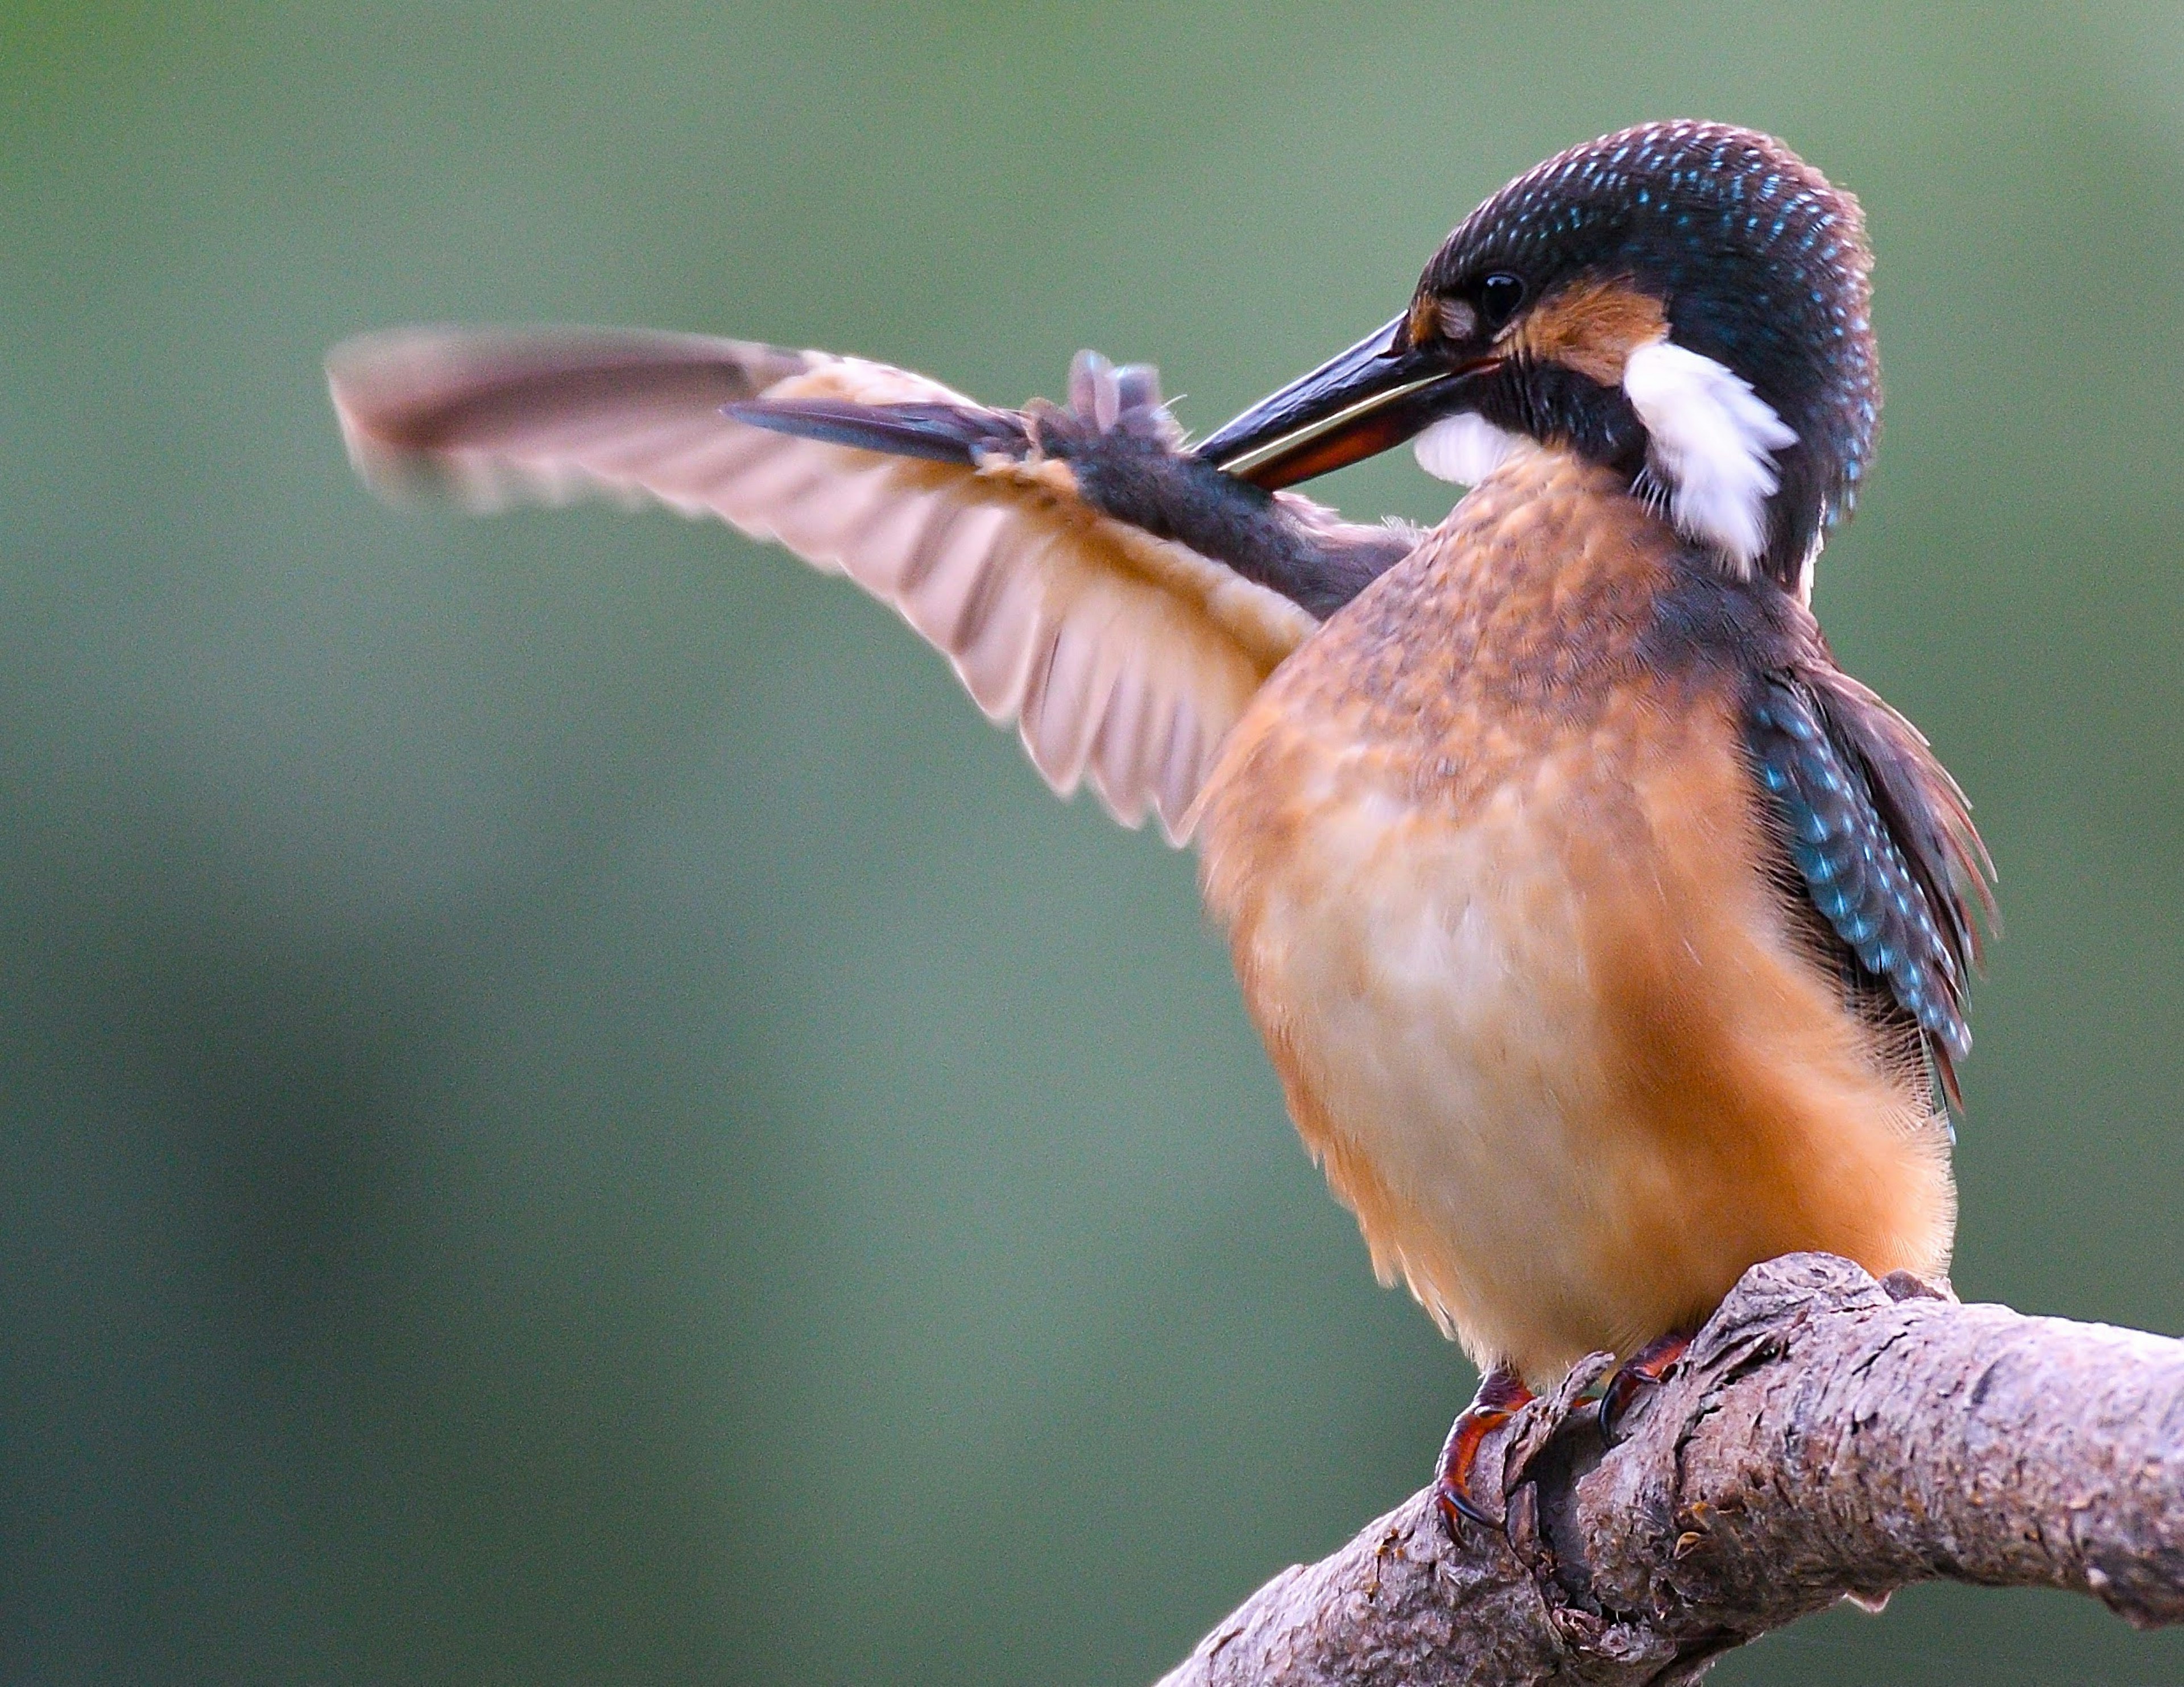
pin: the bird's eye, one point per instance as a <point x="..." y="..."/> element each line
<point x="1499" y="295"/>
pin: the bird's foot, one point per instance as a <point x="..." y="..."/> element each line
<point x="1644" y="1369"/>
<point x="1905" y="1285"/>
<point x="1501" y="1392"/>
<point x="1125" y="398"/>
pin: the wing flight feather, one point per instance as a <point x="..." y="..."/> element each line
<point x="1122" y="658"/>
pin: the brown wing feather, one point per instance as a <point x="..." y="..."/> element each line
<point x="1122" y="658"/>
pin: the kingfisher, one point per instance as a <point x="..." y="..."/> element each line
<point x="1605" y="936"/>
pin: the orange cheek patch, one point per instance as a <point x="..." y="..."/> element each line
<point x="1591" y="326"/>
<point x="1424" y="320"/>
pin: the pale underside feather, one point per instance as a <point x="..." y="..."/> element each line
<point x="1123" y="658"/>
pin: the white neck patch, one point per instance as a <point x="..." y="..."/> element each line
<point x="1713" y="442"/>
<point x="1465" y="449"/>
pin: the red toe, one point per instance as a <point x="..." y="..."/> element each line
<point x="1644" y="1369"/>
<point x="1500" y="1395"/>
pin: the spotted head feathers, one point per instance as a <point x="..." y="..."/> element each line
<point x="1686" y="301"/>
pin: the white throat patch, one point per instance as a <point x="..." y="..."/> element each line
<point x="1713" y="442"/>
<point x="1465" y="449"/>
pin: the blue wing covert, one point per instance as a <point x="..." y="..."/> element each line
<point x="1879" y="857"/>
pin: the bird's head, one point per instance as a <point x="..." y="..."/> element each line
<point x="1684" y="301"/>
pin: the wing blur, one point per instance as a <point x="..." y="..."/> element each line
<point x="1123" y="658"/>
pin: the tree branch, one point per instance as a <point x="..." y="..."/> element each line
<point x="1827" y="1436"/>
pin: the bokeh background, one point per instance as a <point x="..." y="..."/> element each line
<point x="570" y="1114"/>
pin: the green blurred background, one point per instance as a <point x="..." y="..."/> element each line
<point x="569" y="1113"/>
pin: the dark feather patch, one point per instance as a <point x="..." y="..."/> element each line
<point x="940" y="433"/>
<point x="1126" y="453"/>
<point x="1881" y="860"/>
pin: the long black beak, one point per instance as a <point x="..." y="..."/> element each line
<point x="1378" y="394"/>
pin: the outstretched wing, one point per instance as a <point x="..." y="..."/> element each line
<point x="1123" y="657"/>
<point x="1884" y="843"/>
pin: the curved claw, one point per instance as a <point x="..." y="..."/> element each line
<point x="1645" y="1369"/>
<point x="1501" y="1394"/>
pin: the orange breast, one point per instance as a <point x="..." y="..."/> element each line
<point x="1497" y="895"/>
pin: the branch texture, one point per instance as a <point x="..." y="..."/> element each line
<point x="1827" y="1436"/>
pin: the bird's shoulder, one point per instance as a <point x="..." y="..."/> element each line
<point x="1533" y="596"/>
<point x="1504" y="657"/>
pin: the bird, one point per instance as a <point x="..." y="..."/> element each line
<point x="1605" y="936"/>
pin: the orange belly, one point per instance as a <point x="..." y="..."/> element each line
<point x="1496" y="901"/>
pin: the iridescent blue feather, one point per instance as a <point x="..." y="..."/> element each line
<point x="1854" y="867"/>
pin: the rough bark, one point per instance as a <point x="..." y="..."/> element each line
<point x="1827" y="1436"/>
